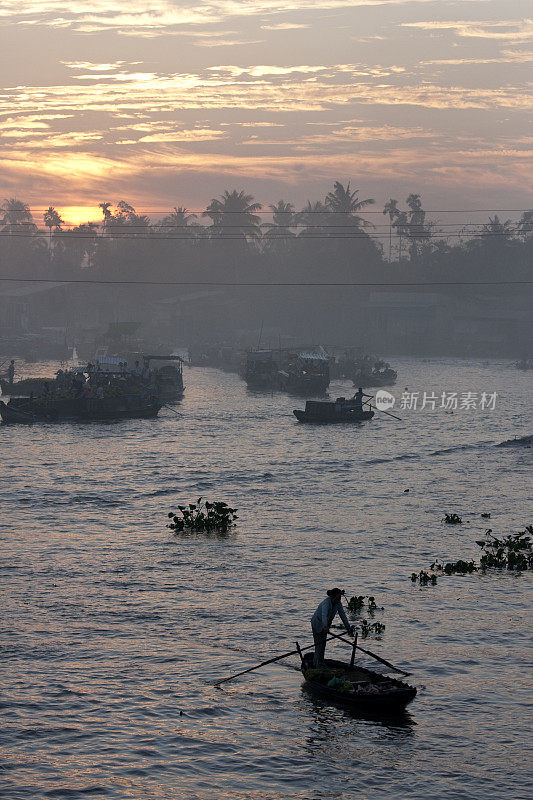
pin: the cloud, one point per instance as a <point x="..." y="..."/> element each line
<point x="275" y="89"/>
<point x="501" y="30"/>
<point x="285" y="26"/>
<point x="164" y="17"/>
<point x="505" y="57"/>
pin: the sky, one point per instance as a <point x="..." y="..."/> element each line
<point x="171" y="102"/>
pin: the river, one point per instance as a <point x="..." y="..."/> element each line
<point x="114" y="629"/>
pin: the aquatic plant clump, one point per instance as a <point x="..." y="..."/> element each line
<point x="357" y="603"/>
<point x="204" y="516"/>
<point x="424" y="578"/>
<point x="514" y="552"/>
<point x="452" y="519"/>
<point x="455" y="567"/>
<point x="371" y="628"/>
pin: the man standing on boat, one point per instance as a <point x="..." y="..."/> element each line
<point x="358" y="399"/>
<point x="322" y="619"/>
<point x="11" y="371"/>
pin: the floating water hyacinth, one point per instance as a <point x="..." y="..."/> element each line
<point x="452" y="519"/>
<point x="513" y="552"/>
<point x="204" y="516"/>
<point x="356" y="603"/>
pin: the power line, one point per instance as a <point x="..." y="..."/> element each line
<point x="156" y="227"/>
<point x="154" y="237"/>
<point x="202" y="211"/>
<point x="99" y="281"/>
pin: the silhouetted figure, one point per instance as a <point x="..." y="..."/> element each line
<point x="358" y="399"/>
<point x="322" y="619"/>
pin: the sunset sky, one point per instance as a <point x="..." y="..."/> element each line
<point x="171" y="102"/>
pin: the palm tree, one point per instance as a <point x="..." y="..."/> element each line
<point x="496" y="228"/>
<point x="417" y="229"/>
<point x="233" y="216"/>
<point x="283" y="219"/>
<point x="401" y="223"/>
<point x="315" y="219"/>
<point x="345" y="206"/>
<point x="391" y="208"/>
<point x="16" y="214"/>
<point x="179" y="221"/>
<point x="524" y="226"/>
<point x="52" y="220"/>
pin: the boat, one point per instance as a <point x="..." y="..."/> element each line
<point x="366" y="374"/>
<point x="27" y="410"/>
<point x="167" y="377"/>
<point x="342" y="410"/>
<point x="355" y="687"/>
<point x="261" y="371"/>
<point x="305" y="373"/>
<point x="24" y="387"/>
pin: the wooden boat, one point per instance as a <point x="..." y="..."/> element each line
<point x="25" y="386"/>
<point x="342" y="410"/>
<point x="261" y="370"/>
<point x="305" y="373"/>
<point x="356" y="687"/>
<point x="26" y="410"/>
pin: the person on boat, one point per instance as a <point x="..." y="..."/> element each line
<point x="322" y="619"/>
<point x="11" y="371"/>
<point x="358" y="399"/>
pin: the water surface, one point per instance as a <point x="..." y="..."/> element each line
<point x="114" y="629"/>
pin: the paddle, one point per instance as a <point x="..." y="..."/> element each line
<point x="370" y="653"/>
<point x="385" y="412"/>
<point x="271" y="661"/>
<point x="166" y="405"/>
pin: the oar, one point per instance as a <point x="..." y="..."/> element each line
<point x="385" y="412"/>
<point x="166" y="405"/>
<point x="271" y="661"/>
<point x="369" y="653"/>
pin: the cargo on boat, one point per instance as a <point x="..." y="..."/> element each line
<point x="356" y="687"/>
<point x="342" y="410"/>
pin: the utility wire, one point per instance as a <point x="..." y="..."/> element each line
<point x="265" y="283"/>
<point x="168" y="212"/>
<point x="154" y="237"/>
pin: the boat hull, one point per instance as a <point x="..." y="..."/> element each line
<point x="26" y="411"/>
<point x="385" y="701"/>
<point x="314" y="418"/>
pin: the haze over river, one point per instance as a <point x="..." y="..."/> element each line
<point x="114" y="629"/>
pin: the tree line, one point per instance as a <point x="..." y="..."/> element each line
<point x="326" y="239"/>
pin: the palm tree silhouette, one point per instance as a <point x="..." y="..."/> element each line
<point x="314" y="218"/>
<point x="233" y="216"/>
<point x="16" y="214"/>
<point x="179" y="221"/>
<point x="391" y="208"/>
<point x="283" y="219"/>
<point x="344" y="206"/>
<point x="52" y="220"/>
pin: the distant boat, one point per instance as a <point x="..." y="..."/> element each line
<point x="341" y="410"/>
<point x="306" y="373"/>
<point x="261" y="371"/>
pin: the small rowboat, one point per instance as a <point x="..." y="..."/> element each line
<point x="341" y="410"/>
<point x="356" y="687"/>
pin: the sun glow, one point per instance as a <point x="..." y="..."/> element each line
<point x="71" y="215"/>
